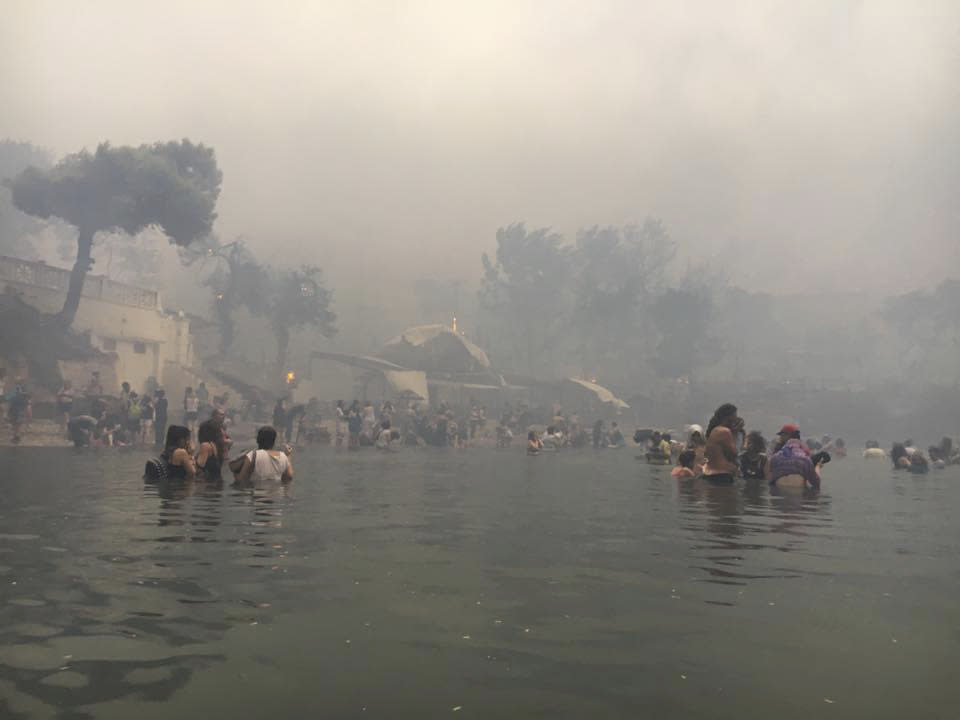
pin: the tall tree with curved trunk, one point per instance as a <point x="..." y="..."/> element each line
<point x="173" y="185"/>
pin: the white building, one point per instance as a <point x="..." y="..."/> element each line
<point x="125" y="321"/>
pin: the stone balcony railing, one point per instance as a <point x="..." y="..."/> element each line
<point x="39" y="274"/>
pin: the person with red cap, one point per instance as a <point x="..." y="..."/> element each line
<point x="791" y="464"/>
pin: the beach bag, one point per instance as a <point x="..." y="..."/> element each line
<point x="236" y="464"/>
<point x="155" y="470"/>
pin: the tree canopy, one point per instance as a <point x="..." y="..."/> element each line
<point x="297" y="298"/>
<point x="173" y="185"/>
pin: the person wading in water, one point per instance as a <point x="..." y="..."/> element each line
<point x="721" y="450"/>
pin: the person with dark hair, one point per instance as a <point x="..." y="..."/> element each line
<point x="685" y="468"/>
<point x="726" y="416"/>
<point x="280" y="414"/>
<point x="753" y="459"/>
<point x="720" y="452"/>
<point x="265" y="464"/>
<point x="147" y="414"/>
<point x="176" y="460"/>
<point x="81" y="429"/>
<point x="65" y="402"/>
<point x="160" y="405"/>
<point x="615" y="439"/>
<point x="698" y="445"/>
<point x="598" y="434"/>
<point x="840" y="448"/>
<point x="354" y="427"/>
<point x="533" y="443"/>
<point x="218" y="416"/>
<point x="899" y="456"/>
<point x="210" y="452"/>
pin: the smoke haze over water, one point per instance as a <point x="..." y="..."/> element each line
<point x="371" y="137"/>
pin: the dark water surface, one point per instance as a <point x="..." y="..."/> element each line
<point x="475" y="584"/>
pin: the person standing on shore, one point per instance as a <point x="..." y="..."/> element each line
<point x="341" y="420"/>
<point x="160" y="417"/>
<point x="146" y="418"/>
<point x="191" y="409"/>
<point x="65" y="403"/>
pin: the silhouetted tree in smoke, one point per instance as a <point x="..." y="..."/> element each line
<point x="617" y="274"/>
<point x="295" y="299"/>
<point x="238" y="281"/>
<point x="924" y="322"/>
<point x="682" y="317"/>
<point x="527" y="289"/>
<point x="174" y="185"/>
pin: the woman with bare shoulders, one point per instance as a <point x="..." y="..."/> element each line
<point x="720" y="452"/>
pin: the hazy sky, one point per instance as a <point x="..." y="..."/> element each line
<point x="379" y="136"/>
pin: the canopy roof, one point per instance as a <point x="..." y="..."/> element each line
<point x="435" y="348"/>
<point x="363" y="362"/>
<point x="600" y="392"/>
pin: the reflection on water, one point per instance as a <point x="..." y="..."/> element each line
<point x="408" y="585"/>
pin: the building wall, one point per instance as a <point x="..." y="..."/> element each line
<point x="120" y="319"/>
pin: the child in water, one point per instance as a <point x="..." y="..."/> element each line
<point x="685" y="465"/>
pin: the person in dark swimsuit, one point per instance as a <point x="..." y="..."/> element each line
<point x="176" y="458"/>
<point x="209" y="450"/>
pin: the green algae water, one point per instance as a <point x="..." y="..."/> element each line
<point x="475" y="584"/>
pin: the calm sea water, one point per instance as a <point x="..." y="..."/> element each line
<point x="475" y="584"/>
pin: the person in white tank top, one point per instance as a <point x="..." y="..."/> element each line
<point x="265" y="464"/>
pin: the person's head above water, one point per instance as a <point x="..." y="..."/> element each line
<point x="725" y="415"/>
<point x="687" y="458"/>
<point x="266" y="437"/>
<point x="209" y="431"/>
<point x="756" y="442"/>
<point x="177" y="437"/>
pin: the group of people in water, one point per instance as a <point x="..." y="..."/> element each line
<point x="725" y="451"/>
<point x="181" y="461"/>
<point x="905" y="456"/>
